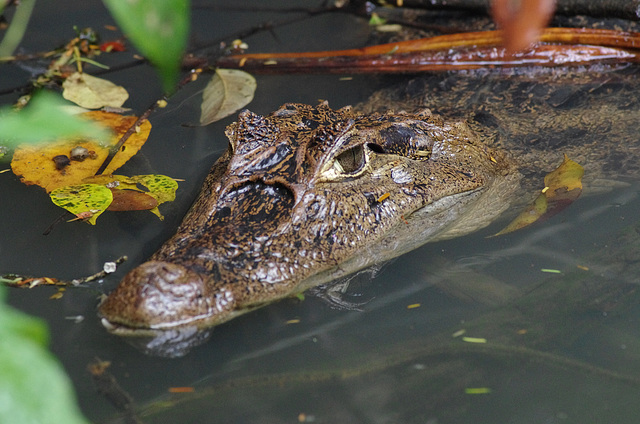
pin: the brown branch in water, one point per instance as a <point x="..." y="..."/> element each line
<point x="108" y="387"/>
<point x="559" y="47"/>
<point x="627" y="9"/>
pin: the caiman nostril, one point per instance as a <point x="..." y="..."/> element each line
<point x="157" y="293"/>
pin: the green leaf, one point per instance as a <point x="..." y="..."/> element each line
<point x="228" y="91"/>
<point x="33" y="385"/>
<point x="83" y="198"/>
<point x="161" y="188"/>
<point x="44" y="119"/>
<point x="159" y="29"/>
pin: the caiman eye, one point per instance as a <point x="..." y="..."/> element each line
<point x="351" y="161"/>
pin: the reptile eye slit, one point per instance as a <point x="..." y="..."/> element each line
<point x="352" y="160"/>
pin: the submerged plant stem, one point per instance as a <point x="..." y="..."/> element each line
<point x="17" y="28"/>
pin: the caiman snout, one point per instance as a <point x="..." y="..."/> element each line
<point x="161" y="296"/>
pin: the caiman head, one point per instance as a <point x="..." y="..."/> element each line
<point x="305" y="195"/>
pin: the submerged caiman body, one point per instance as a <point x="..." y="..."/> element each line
<point x="309" y="194"/>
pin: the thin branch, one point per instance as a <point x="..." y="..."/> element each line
<point x="21" y="281"/>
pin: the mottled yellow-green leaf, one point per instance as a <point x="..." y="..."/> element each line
<point x="92" y="92"/>
<point x="562" y="187"/>
<point x="161" y="187"/>
<point x="228" y="91"/>
<point x="79" y="199"/>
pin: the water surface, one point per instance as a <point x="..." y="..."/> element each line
<point x="560" y="348"/>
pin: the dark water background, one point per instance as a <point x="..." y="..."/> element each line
<point x="568" y="353"/>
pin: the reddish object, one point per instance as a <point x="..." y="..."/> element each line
<point x="522" y="22"/>
<point x="130" y="200"/>
<point x="112" y="46"/>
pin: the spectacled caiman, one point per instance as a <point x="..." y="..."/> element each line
<point x="309" y="194"/>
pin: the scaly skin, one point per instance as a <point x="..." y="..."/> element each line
<point x="306" y="195"/>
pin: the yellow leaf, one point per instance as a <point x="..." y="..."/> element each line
<point x="531" y="214"/>
<point x="92" y="92"/>
<point x="568" y="177"/>
<point x="35" y="164"/>
<point x="562" y="187"/>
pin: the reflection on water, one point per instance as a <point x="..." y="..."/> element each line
<point x="560" y="347"/>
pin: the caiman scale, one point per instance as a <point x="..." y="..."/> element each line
<point x="309" y="194"/>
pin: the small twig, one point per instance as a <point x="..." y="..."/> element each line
<point x="21" y="281"/>
<point x="132" y="129"/>
<point x="58" y="220"/>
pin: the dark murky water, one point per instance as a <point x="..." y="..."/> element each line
<point x="561" y="348"/>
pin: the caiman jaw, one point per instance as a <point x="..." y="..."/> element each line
<point x="162" y="296"/>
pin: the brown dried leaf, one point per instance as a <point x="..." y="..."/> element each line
<point x="131" y="200"/>
<point x="228" y="91"/>
<point x="92" y="92"/>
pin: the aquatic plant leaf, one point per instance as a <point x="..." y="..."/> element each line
<point x="35" y="164"/>
<point x="45" y="119"/>
<point x="92" y="92"/>
<point x="81" y="199"/>
<point x="228" y="91"/>
<point x="562" y="187"/>
<point x="159" y="29"/>
<point x="33" y="385"/>
<point x="160" y="189"/>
